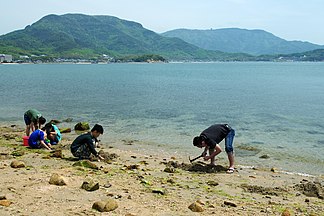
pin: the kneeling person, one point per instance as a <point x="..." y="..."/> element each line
<point x="38" y="139"/>
<point x="84" y="145"/>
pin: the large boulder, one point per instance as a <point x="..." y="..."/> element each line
<point x="17" y="164"/>
<point x="65" y="130"/>
<point x="86" y="164"/>
<point x="82" y="126"/>
<point x="90" y="185"/>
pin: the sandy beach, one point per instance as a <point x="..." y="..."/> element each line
<point x="140" y="184"/>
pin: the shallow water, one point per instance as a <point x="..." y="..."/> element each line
<point x="275" y="108"/>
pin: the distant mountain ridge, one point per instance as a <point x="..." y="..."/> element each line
<point x="235" y="40"/>
<point x="79" y="35"/>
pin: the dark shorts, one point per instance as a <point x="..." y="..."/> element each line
<point x="27" y="120"/>
<point x="83" y="152"/>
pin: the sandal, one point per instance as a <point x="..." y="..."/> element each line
<point x="230" y="170"/>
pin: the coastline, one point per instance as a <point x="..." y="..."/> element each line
<point x="146" y="184"/>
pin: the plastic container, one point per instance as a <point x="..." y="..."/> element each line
<point x="25" y="139"/>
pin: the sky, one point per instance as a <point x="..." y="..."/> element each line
<point x="288" y="19"/>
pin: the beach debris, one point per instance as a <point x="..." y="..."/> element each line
<point x="201" y="167"/>
<point x="90" y="185"/>
<point x="131" y="167"/>
<point x="4" y="156"/>
<point x="9" y="136"/>
<point x="311" y="189"/>
<point x="105" y="206"/>
<point x="82" y="126"/>
<point x="286" y="212"/>
<point x="17" y="164"/>
<point x="107" y="157"/>
<point x="18" y="153"/>
<point x="264" y="156"/>
<point x="145" y="182"/>
<point x="55" y="121"/>
<point x="68" y="120"/>
<point x="86" y="164"/>
<point x="273" y="169"/>
<point x="106" y="169"/>
<point x="159" y="191"/>
<point x="57" y="153"/>
<point x="247" y="150"/>
<point x="200" y="202"/>
<point x="195" y="167"/>
<point x="169" y="170"/>
<point x="212" y="183"/>
<point x="129" y="142"/>
<point x="143" y="162"/>
<point x="3" y="197"/>
<point x="263" y="190"/>
<point x="65" y="130"/>
<point x="171" y="181"/>
<point x="107" y="185"/>
<point x="196" y="207"/>
<point x="56" y="179"/>
<point x="229" y="203"/>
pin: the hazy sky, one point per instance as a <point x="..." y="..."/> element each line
<point x="289" y="19"/>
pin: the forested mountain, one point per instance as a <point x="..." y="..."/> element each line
<point x="78" y="36"/>
<point x="234" y="40"/>
<point x="83" y="36"/>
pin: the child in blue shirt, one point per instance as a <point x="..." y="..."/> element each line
<point x="38" y="139"/>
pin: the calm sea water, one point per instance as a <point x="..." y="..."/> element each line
<point x="276" y="108"/>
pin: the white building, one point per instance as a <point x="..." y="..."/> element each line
<point x="5" y="58"/>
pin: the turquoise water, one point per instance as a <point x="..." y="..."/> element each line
<point x="275" y="108"/>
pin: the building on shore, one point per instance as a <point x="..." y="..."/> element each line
<point x="5" y="58"/>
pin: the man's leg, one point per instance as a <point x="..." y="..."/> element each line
<point x="27" y="130"/>
<point x="27" y="122"/>
<point x="229" y="148"/>
<point x="230" y="156"/>
<point x="83" y="152"/>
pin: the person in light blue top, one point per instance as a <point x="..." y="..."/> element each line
<point x="54" y="134"/>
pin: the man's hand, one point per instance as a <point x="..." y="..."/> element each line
<point x="100" y="157"/>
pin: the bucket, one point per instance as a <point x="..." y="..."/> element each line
<point x="25" y="139"/>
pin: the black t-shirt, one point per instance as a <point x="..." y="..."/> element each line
<point x="215" y="134"/>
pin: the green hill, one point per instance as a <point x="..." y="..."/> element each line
<point x="83" y="36"/>
<point x="234" y="40"/>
